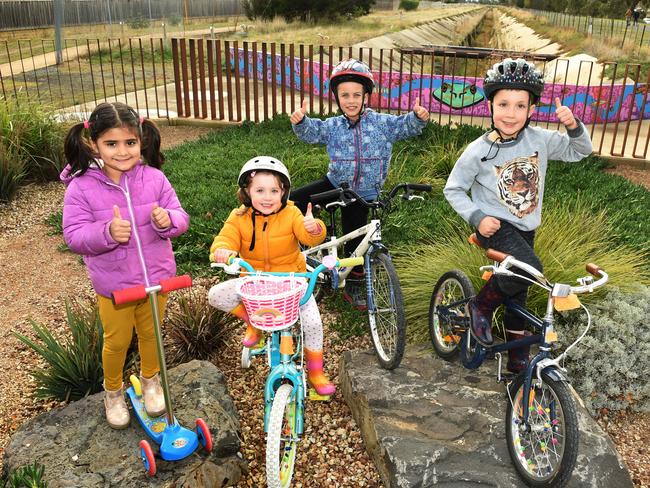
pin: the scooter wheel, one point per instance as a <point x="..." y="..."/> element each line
<point x="148" y="459"/>
<point x="205" y="438"/>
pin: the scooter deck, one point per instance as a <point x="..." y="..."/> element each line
<point x="175" y="442"/>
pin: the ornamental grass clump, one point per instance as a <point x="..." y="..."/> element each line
<point x="570" y="237"/>
<point x="73" y="367"/>
<point x="28" y="476"/>
<point x="609" y="367"/>
<point x="195" y="328"/>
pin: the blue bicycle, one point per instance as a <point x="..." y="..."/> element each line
<point x="272" y="301"/>
<point x="541" y="421"/>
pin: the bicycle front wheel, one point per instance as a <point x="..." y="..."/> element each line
<point x="544" y="450"/>
<point x="282" y="439"/>
<point x="323" y="280"/>
<point x="448" y="301"/>
<point x="386" y="312"/>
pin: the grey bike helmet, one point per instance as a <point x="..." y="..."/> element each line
<point x="514" y="74"/>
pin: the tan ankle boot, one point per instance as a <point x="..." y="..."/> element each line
<point x="152" y="392"/>
<point x="117" y="413"/>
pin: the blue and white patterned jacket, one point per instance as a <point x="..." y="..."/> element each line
<point x="360" y="153"/>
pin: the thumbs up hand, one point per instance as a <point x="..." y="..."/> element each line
<point x="299" y="114"/>
<point x="565" y="115"/>
<point x="160" y="217"/>
<point x="420" y="112"/>
<point x="310" y="223"/>
<point x="120" y="229"/>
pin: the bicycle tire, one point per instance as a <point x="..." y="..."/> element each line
<point x="386" y="318"/>
<point x="281" y="439"/>
<point x="474" y="355"/>
<point x="453" y="286"/>
<point x="545" y="455"/>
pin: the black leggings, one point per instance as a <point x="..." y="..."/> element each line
<point x="352" y="217"/>
<point x="518" y="243"/>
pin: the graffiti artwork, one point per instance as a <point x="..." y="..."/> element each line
<point x="462" y="95"/>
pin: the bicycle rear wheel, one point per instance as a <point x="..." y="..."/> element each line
<point x="281" y="439"/>
<point x="544" y="451"/>
<point x="386" y="312"/>
<point x="450" y="294"/>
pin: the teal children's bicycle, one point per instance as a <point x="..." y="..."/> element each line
<point x="273" y="301"/>
<point x="176" y="442"/>
<point x="541" y="422"/>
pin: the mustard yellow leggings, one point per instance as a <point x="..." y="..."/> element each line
<point x="118" y="322"/>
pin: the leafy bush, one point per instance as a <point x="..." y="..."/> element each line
<point x="31" y="144"/>
<point x="316" y="9"/>
<point x="568" y="238"/>
<point x="138" y="23"/>
<point x="30" y="476"/>
<point x="174" y="19"/>
<point x="609" y="367"/>
<point x="74" y="365"/>
<point x="409" y="4"/>
<point x="197" y="329"/>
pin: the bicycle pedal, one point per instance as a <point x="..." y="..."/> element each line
<point x="313" y="395"/>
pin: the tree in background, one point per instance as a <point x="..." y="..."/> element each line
<point x="594" y="8"/>
<point x="306" y="10"/>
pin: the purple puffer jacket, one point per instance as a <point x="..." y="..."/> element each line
<point x="147" y="257"/>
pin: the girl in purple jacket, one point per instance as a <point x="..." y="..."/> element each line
<point x="119" y="213"/>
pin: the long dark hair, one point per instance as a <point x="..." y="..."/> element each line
<point x="106" y="116"/>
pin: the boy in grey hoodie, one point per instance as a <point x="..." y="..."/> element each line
<point x="505" y="171"/>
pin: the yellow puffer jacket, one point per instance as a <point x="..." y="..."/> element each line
<point x="277" y="238"/>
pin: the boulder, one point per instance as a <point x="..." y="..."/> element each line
<point x="432" y="423"/>
<point x="78" y="448"/>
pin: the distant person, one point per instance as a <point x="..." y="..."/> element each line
<point x="628" y="17"/>
<point x="359" y="144"/>
<point x="504" y="171"/>
<point x="635" y="15"/>
<point x="119" y="213"/>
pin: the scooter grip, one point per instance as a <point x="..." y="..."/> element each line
<point x="594" y="269"/>
<point x="496" y="255"/>
<point x="129" y="295"/>
<point x="175" y="283"/>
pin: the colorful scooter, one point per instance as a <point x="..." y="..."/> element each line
<point x="176" y="442"/>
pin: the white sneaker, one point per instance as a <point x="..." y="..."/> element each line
<point x="154" y="399"/>
<point x="117" y="413"/>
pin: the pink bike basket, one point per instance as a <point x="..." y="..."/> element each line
<point x="272" y="302"/>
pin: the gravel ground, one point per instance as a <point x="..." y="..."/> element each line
<point x="332" y="452"/>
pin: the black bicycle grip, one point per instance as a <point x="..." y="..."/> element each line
<point x="327" y="196"/>
<point x="419" y="187"/>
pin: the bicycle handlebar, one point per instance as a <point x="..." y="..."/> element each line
<point x="139" y="292"/>
<point x="234" y="266"/>
<point x="346" y="196"/>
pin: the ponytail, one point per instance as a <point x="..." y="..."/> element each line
<point x="151" y="144"/>
<point x="77" y="151"/>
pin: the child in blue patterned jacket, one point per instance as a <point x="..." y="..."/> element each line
<point x="359" y="144"/>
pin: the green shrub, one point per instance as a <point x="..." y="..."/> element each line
<point x="29" y="476"/>
<point x="174" y="19"/>
<point x="31" y="144"/>
<point x="569" y="238"/>
<point x="409" y="4"/>
<point x="74" y="365"/>
<point x="197" y="329"/>
<point x="609" y="366"/>
<point x="138" y="22"/>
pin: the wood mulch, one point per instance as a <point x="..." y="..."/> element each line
<point x="36" y="279"/>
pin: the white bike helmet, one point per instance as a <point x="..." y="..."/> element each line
<point x="259" y="163"/>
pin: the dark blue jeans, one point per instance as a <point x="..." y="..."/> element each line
<point x="518" y="243"/>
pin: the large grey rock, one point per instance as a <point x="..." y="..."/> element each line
<point x="434" y="423"/>
<point x="80" y="450"/>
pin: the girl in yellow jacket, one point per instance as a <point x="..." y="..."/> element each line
<point x="267" y="231"/>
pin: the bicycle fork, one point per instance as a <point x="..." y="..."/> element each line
<point x="282" y="355"/>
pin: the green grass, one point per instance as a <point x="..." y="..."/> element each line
<point x="601" y="211"/>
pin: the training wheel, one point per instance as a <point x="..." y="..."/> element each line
<point x="135" y="382"/>
<point x="245" y="357"/>
<point x="205" y="438"/>
<point x="148" y="459"/>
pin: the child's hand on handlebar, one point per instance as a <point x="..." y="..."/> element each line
<point x="223" y="255"/>
<point x="488" y="226"/>
<point x="311" y="225"/>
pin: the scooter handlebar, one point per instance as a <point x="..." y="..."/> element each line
<point x="129" y="295"/>
<point x="139" y="292"/>
<point x="175" y="283"/>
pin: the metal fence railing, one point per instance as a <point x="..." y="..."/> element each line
<point x="618" y="31"/>
<point x="210" y="79"/>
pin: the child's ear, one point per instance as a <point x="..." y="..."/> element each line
<point x="366" y="98"/>
<point x="489" y="106"/>
<point x="531" y="109"/>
